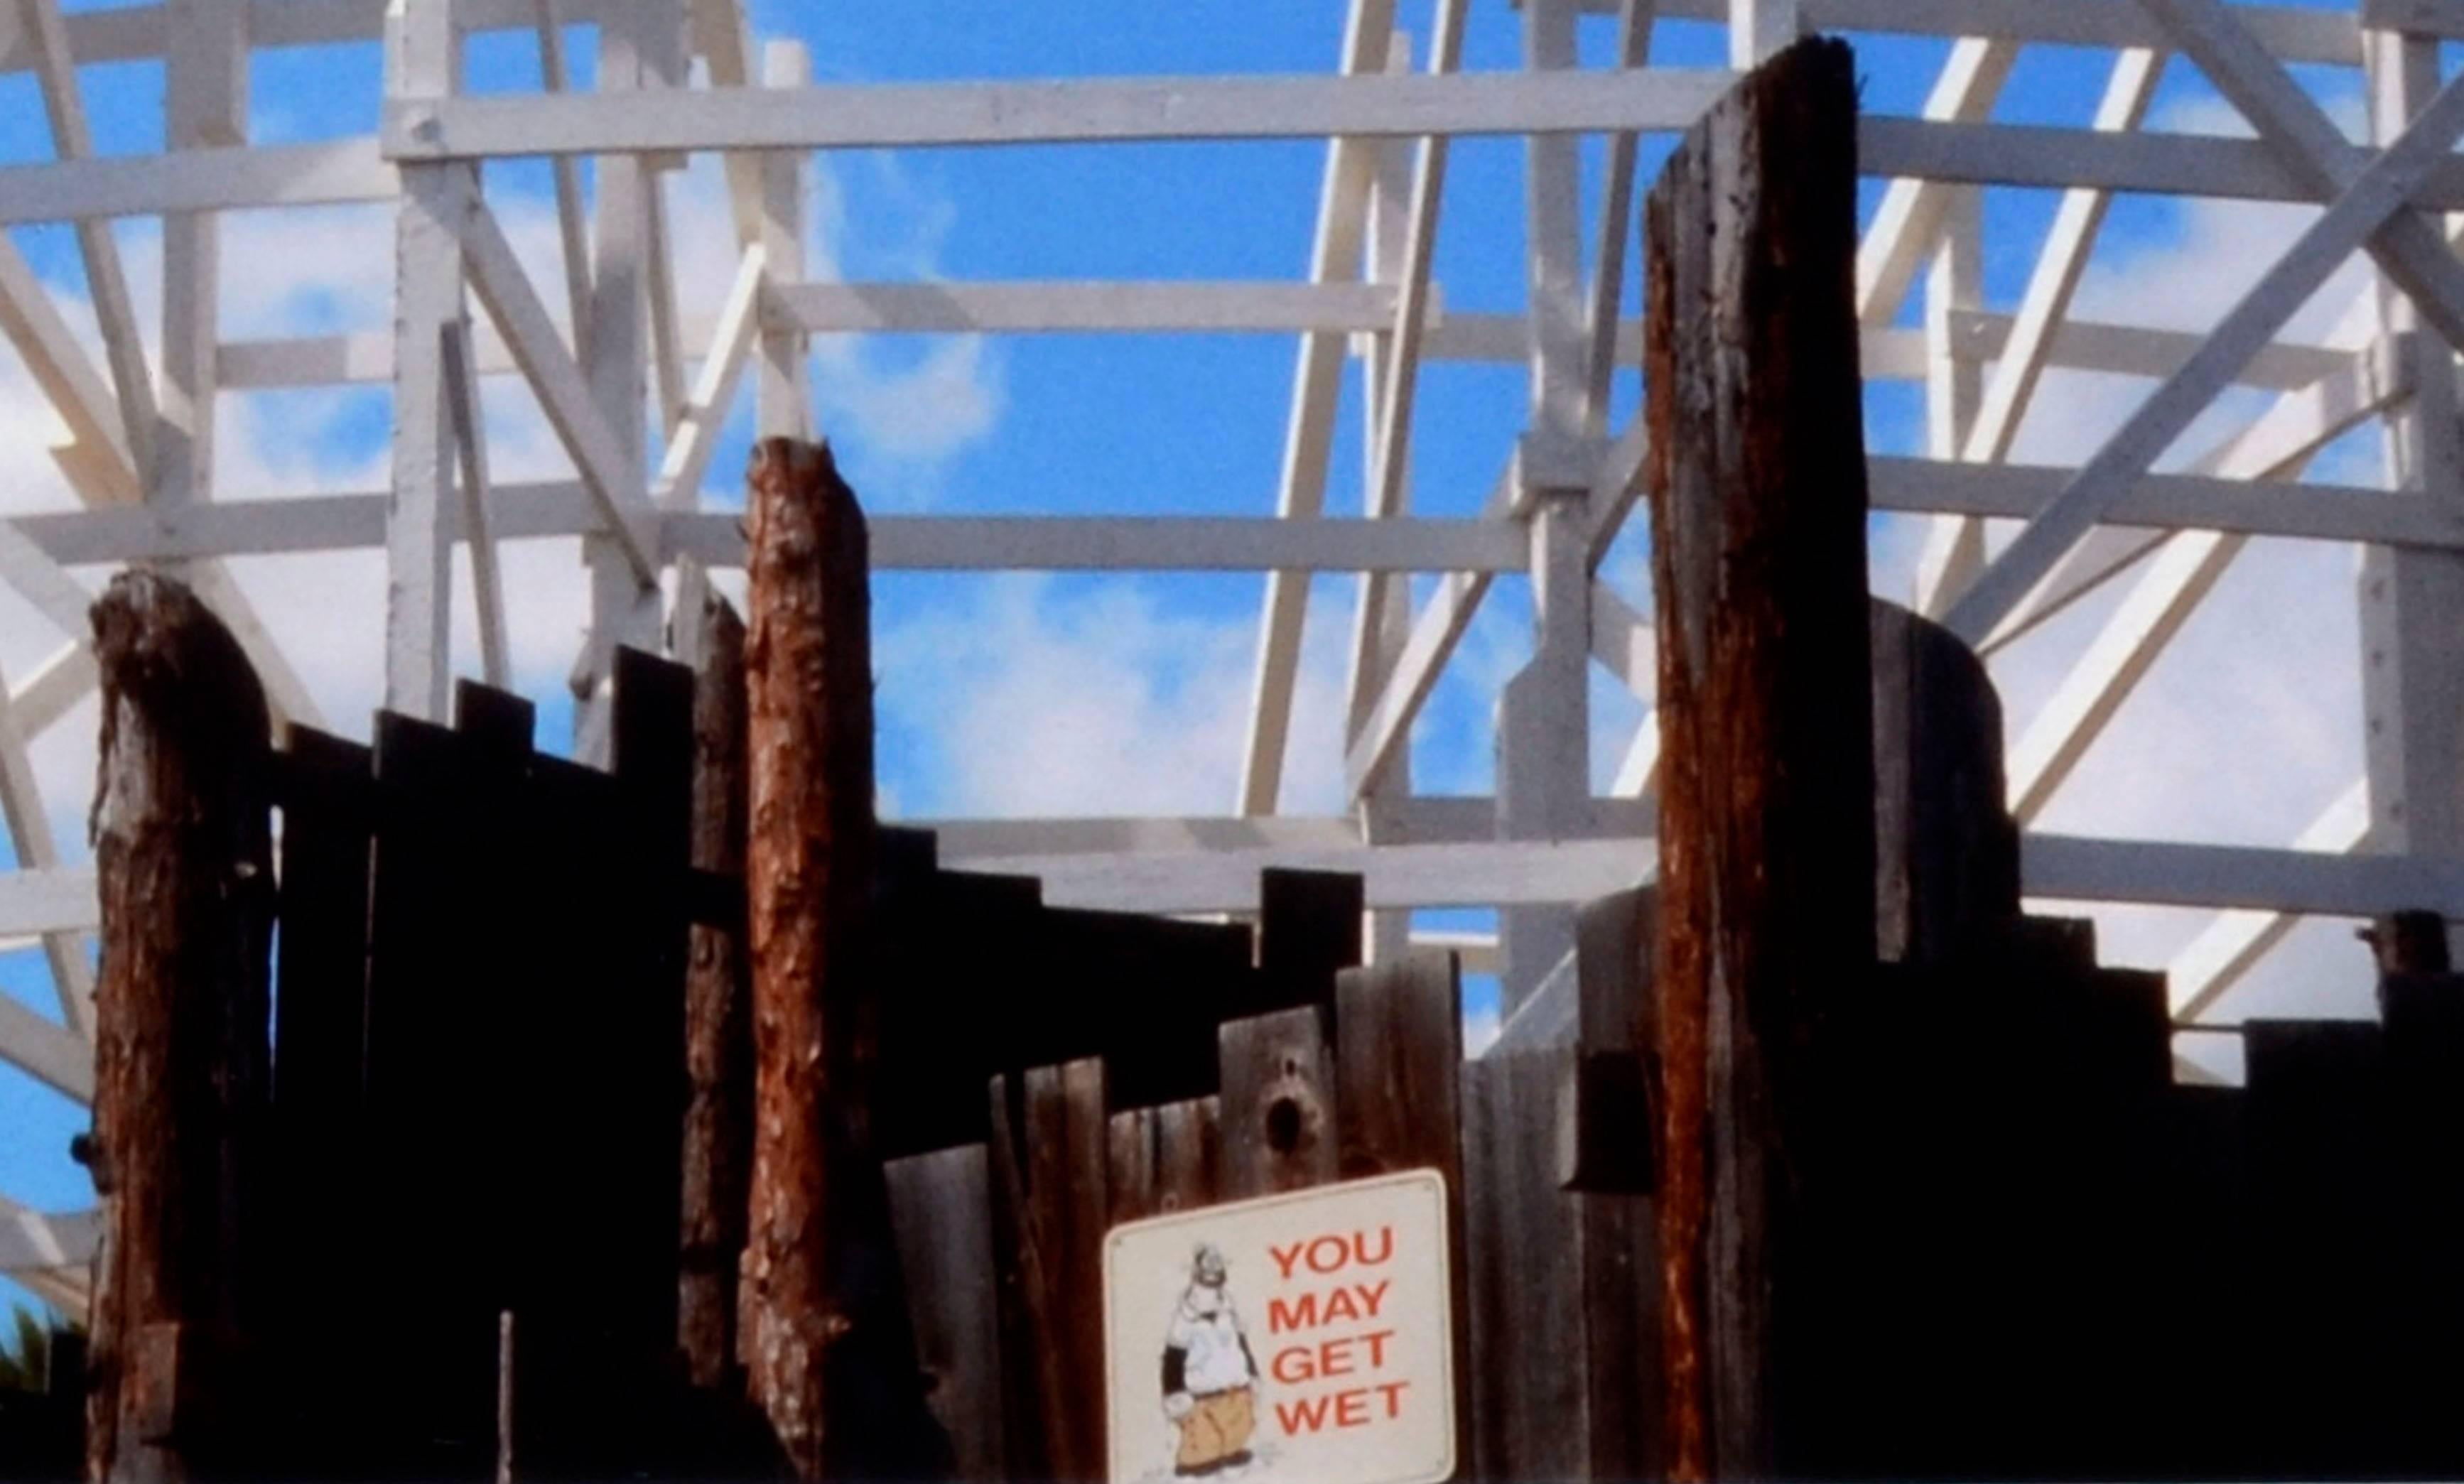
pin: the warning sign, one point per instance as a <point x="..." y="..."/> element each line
<point x="1298" y="1337"/>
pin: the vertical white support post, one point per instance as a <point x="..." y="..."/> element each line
<point x="1954" y="549"/>
<point x="1543" y="716"/>
<point x="782" y="395"/>
<point x="1544" y="734"/>
<point x="623" y="611"/>
<point x="423" y="63"/>
<point x="1390" y="930"/>
<point x="2413" y="600"/>
<point x="204" y="76"/>
<point x="1758" y="29"/>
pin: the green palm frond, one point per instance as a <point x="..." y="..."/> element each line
<point x="25" y="1363"/>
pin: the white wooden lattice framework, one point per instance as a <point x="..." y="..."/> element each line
<point x="637" y="393"/>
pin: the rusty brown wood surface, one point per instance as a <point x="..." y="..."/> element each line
<point x="183" y="848"/>
<point x="820" y="1305"/>
<point x="719" y="995"/>
<point x="1758" y="552"/>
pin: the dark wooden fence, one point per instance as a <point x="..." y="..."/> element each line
<point x="1817" y="1159"/>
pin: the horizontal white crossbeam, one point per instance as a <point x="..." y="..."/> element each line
<point x="1016" y="308"/>
<point x="197" y="179"/>
<point x="1510" y="873"/>
<point x="2327" y="513"/>
<point x="32" y="1241"/>
<point x="2293" y="33"/>
<point x="890" y="116"/>
<point x="560" y="508"/>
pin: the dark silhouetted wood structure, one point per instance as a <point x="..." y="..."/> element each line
<point x="681" y="1120"/>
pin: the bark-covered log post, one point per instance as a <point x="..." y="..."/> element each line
<point x="825" y="1335"/>
<point x="183" y="848"/>
<point x="1767" y="825"/>
<point x="718" y="992"/>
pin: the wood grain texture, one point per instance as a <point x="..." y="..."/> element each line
<point x="183" y="848"/>
<point x="1278" y="1105"/>
<point x="820" y="1305"/>
<point x="718" y="996"/>
<point x="1756" y="480"/>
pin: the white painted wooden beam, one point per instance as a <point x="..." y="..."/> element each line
<point x="1240" y="308"/>
<point x="2375" y="199"/>
<point x="1625" y="644"/>
<point x="2294" y="33"/>
<point x="55" y="685"/>
<point x="890" y="116"/>
<point x="1910" y="216"/>
<point x="1397" y="383"/>
<point x="327" y="173"/>
<point x="560" y="507"/>
<point x="1468" y="874"/>
<point x="572" y="228"/>
<point x="1081" y="307"/>
<point x="1955" y="548"/>
<point x="1386" y="726"/>
<point x="1153" y="543"/>
<point x="46" y="1051"/>
<point x="2163" y="874"/>
<point x="1602" y="314"/>
<point x="106" y="284"/>
<point x="695" y="437"/>
<point x="2053" y="867"/>
<point x="470" y="440"/>
<point x="2233" y="942"/>
<point x="1308" y="430"/>
<point x="2275" y="447"/>
<point x="31" y="1240"/>
<point x="59" y="366"/>
<point x="613" y="480"/>
<point x="2292" y="126"/>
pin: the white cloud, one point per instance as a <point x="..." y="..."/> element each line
<point x="1103" y="702"/>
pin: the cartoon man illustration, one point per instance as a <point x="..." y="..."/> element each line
<point x="1209" y="1376"/>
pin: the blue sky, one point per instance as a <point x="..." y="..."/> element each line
<point x="1090" y="694"/>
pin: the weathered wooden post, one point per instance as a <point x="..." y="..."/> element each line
<point x="183" y="848"/>
<point x="1767" y="824"/>
<point x="823" y="1325"/>
<point x="718" y="994"/>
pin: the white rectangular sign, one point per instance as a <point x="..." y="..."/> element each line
<point x="1300" y="1337"/>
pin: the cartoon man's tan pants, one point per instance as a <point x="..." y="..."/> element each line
<point x="1217" y="1427"/>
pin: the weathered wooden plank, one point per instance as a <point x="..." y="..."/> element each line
<point x="1767" y="859"/>
<point x="1049" y="1152"/>
<point x="1278" y="1105"/>
<point x="1398" y="1056"/>
<point x="814" y="1314"/>
<point x="1527" y="1393"/>
<point x="1309" y="925"/>
<point x="718" y="996"/>
<point x="1604" y="1140"/>
<point x="320" y="1004"/>
<point x="1399" y="1101"/>
<point x="940" y="1206"/>
<point x="1165" y="1159"/>
<point x="652" y="758"/>
<point x="1947" y="849"/>
<point x="184" y="853"/>
<point x="436" y="1101"/>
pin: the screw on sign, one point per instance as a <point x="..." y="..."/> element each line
<point x="1304" y="1336"/>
